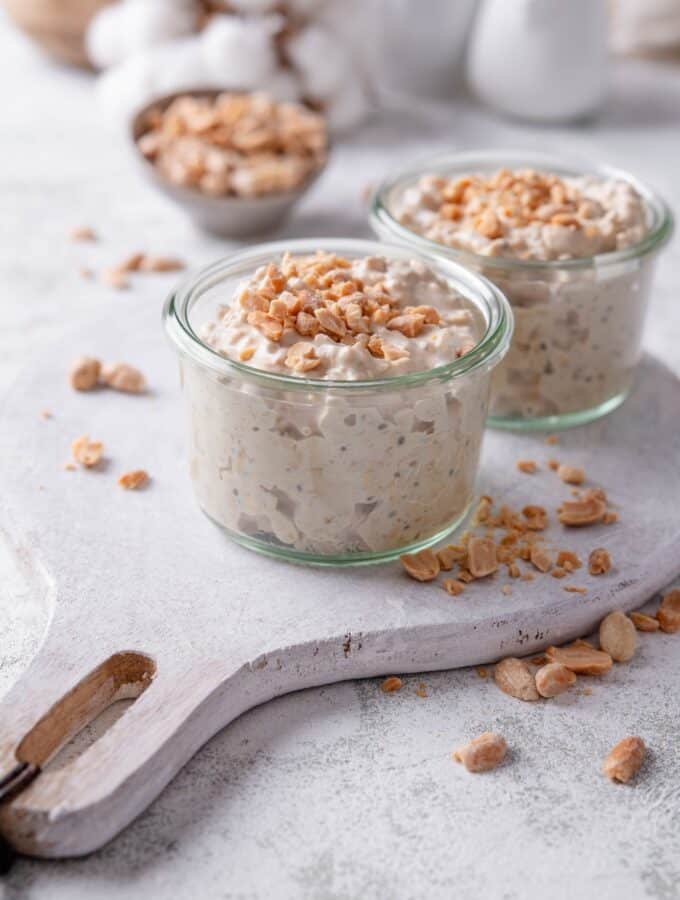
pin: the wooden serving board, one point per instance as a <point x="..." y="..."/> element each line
<point x="151" y="599"/>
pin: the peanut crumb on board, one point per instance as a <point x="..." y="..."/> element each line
<point x="599" y="561"/>
<point x="453" y="587"/>
<point x="507" y="590"/>
<point x="423" y="566"/>
<point x="123" y="377"/>
<point x="574" y="589"/>
<point x="82" y="233"/>
<point x="514" y="677"/>
<point x="45" y="414"/>
<point x="421" y="690"/>
<point x="552" y="439"/>
<point x="482" y="557"/>
<point x="668" y="613"/>
<point x="86" y="452"/>
<point x="571" y="474"/>
<point x="391" y="685"/>
<point x="553" y="464"/>
<point x="528" y="466"/>
<point x="133" y="480"/>
<point x="482" y="672"/>
<point x="618" y="636"/>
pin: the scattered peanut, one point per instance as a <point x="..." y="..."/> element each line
<point x="513" y="676"/>
<point x="123" y="377"/>
<point x="554" y="679"/>
<point x="571" y="474"/>
<point x="84" y="373"/>
<point x="423" y="566"/>
<point x="669" y="612"/>
<point x="540" y="558"/>
<point x="643" y="622"/>
<point x="82" y="233"/>
<point x="453" y="587"/>
<point x="581" y="658"/>
<point x="483" y="753"/>
<point x="133" y="480"/>
<point x="482" y="558"/>
<point x="617" y="636"/>
<point x="624" y="759"/>
<point x="599" y="561"/>
<point x="528" y="466"/>
<point x="86" y="452"/>
<point x="391" y="685"/>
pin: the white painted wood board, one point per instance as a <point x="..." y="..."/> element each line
<point x="228" y="630"/>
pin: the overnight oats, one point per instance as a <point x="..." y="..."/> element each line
<point x="337" y="392"/>
<point x="573" y="251"/>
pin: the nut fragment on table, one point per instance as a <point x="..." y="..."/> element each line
<point x="483" y="753"/>
<point x="617" y="636"/>
<point x="643" y="622"/>
<point x="234" y="144"/>
<point x="554" y="679"/>
<point x="514" y="677"/>
<point x="482" y="557"/>
<point x="669" y="612"/>
<point x="624" y="759"/>
<point x="82" y="233"/>
<point x="133" y="480"/>
<point x="391" y="685"/>
<point x="571" y="474"/>
<point x="581" y="658"/>
<point x="86" y="452"/>
<point x="528" y="466"/>
<point x="84" y="373"/>
<point x="599" y="561"/>
<point x="123" y="377"/>
<point x="453" y="586"/>
<point x="587" y="510"/>
<point x="423" y="566"/>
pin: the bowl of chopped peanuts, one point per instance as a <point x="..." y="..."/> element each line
<point x="235" y="162"/>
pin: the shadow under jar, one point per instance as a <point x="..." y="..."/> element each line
<point x="578" y="319"/>
<point x="326" y="471"/>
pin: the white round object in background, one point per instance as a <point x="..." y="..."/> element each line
<point x="544" y="60"/>
<point x="240" y="51"/>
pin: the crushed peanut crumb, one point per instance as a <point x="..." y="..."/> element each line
<point x="599" y="561"/>
<point x="86" y="452"/>
<point x="528" y="466"/>
<point x="132" y="481"/>
<point x="574" y="589"/>
<point x="123" y="377"/>
<point x="453" y="587"/>
<point x="391" y="685"/>
<point x="571" y="474"/>
<point x="82" y="233"/>
<point x="421" y="690"/>
<point x="423" y="566"/>
<point x="84" y="373"/>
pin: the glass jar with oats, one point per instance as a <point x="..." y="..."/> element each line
<point x="336" y="394"/>
<point x="572" y="246"/>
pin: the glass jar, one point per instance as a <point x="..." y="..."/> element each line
<point x="578" y="322"/>
<point x="333" y="472"/>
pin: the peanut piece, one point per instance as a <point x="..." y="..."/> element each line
<point x="571" y="474"/>
<point x="624" y="759"/>
<point x="423" y="566"/>
<point x="617" y="636"/>
<point x="391" y="685"/>
<point x="123" y="377"/>
<point x="133" y="480"/>
<point x="514" y="677"/>
<point x="599" y="561"/>
<point x="483" y="753"/>
<point x="84" y="373"/>
<point x="87" y="452"/>
<point x="581" y="658"/>
<point x="554" y="679"/>
<point x="482" y="559"/>
<point x="669" y="612"/>
<point x="643" y="622"/>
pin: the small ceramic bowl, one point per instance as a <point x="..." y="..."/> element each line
<point x="230" y="217"/>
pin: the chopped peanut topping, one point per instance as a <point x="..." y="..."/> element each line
<point x="528" y="466"/>
<point x="86" y="452"/>
<point x="302" y="357"/>
<point x="423" y="566"/>
<point x="536" y="517"/>
<point x="540" y="559"/>
<point x="133" y="480"/>
<point x="568" y="560"/>
<point x="246" y="354"/>
<point x="599" y="561"/>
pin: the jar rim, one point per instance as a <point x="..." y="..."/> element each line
<point x="384" y="222"/>
<point x="484" y="294"/>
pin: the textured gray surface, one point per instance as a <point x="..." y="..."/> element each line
<point x="343" y="792"/>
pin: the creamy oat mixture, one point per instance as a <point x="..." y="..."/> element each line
<point x="577" y="331"/>
<point x="339" y="472"/>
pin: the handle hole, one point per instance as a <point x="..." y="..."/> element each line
<point x="87" y="711"/>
